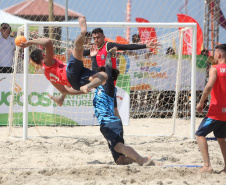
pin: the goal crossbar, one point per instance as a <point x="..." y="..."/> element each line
<point x="112" y="24"/>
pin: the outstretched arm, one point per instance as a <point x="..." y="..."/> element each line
<point x="208" y="88"/>
<point x="109" y="85"/>
<point x="93" y="53"/>
<point x="45" y="42"/>
<point x="151" y="44"/>
<point x="125" y="46"/>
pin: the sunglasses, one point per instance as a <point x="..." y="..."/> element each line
<point x="5" y="28"/>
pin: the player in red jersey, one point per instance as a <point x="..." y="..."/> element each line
<point x="73" y="78"/>
<point x="215" y="120"/>
<point x="103" y="48"/>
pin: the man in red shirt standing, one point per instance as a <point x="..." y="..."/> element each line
<point x="72" y="78"/>
<point x="215" y="120"/>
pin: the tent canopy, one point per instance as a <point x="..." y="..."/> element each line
<point x="11" y="19"/>
<point x="38" y="10"/>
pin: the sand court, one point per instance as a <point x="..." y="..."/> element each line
<point x="80" y="155"/>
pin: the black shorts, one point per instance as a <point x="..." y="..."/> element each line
<point x="77" y="74"/>
<point x="209" y="125"/>
<point x="113" y="133"/>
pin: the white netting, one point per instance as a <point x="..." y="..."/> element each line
<point x="147" y="85"/>
<point x="210" y="14"/>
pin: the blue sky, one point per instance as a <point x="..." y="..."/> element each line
<point x="152" y="10"/>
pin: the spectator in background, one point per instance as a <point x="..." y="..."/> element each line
<point x="143" y="53"/>
<point x="170" y="51"/>
<point x="208" y="61"/>
<point x="88" y="40"/>
<point x="205" y="52"/>
<point x="136" y="38"/>
<point x="215" y="120"/>
<point x="7" y="47"/>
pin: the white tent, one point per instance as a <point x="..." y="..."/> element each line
<point x="11" y="19"/>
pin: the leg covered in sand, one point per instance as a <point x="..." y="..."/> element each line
<point x="132" y="155"/>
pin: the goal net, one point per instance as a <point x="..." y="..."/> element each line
<point x="158" y="86"/>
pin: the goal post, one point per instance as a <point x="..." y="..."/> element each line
<point x="116" y="25"/>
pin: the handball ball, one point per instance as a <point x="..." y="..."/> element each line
<point x="18" y="40"/>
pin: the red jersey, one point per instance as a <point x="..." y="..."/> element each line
<point x="57" y="73"/>
<point x="102" y="55"/>
<point x="217" y="109"/>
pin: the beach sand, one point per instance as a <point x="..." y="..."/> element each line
<point x="80" y="155"/>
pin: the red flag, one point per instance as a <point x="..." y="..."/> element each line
<point x="187" y="40"/>
<point x="147" y="34"/>
<point x="121" y="40"/>
<point x="108" y="39"/>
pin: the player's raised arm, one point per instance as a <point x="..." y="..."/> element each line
<point x="151" y="44"/>
<point x="93" y="52"/>
<point x="45" y="42"/>
<point x="125" y="46"/>
<point x="108" y="63"/>
<point x="111" y="75"/>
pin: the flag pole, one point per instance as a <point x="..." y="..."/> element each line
<point x="128" y="19"/>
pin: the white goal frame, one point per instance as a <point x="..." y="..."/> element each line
<point x="192" y="26"/>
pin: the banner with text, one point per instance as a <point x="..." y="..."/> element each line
<point x="76" y="109"/>
<point x="159" y="73"/>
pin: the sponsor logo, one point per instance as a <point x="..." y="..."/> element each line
<point x="42" y="99"/>
<point x="188" y="40"/>
<point x="17" y="88"/>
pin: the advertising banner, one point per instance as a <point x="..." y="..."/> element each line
<point x="76" y="109"/>
<point x="158" y="73"/>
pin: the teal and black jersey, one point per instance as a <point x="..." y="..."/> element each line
<point x="104" y="105"/>
<point x="104" y="96"/>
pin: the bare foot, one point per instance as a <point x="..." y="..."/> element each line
<point x="82" y="23"/>
<point x="58" y="99"/>
<point x="85" y="89"/>
<point x="152" y="162"/>
<point x="205" y="169"/>
<point x="147" y="161"/>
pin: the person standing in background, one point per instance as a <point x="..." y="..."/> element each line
<point x="215" y="120"/>
<point x="7" y="48"/>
